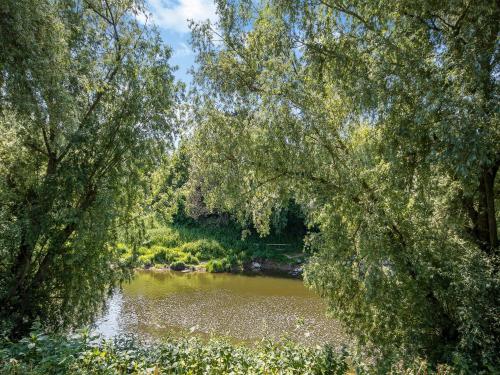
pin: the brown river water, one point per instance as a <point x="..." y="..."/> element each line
<point x="241" y="308"/>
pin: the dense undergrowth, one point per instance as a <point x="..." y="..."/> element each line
<point x="219" y="248"/>
<point x="49" y="354"/>
<point x="80" y="353"/>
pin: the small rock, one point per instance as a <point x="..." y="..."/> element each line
<point x="256" y="266"/>
<point x="296" y="272"/>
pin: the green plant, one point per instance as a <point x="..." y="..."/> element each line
<point x="163" y="236"/>
<point x="189" y="259"/>
<point x="158" y="254"/>
<point x="204" y="249"/>
<point x="41" y="354"/>
<point x="177" y="265"/>
<point x="146" y="260"/>
<point x="218" y="265"/>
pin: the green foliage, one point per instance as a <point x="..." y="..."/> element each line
<point x="204" y="249"/>
<point x="163" y="236"/>
<point x="193" y="243"/>
<point x="381" y="120"/>
<point x="177" y="265"/>
<point x="86" y="105"/>
<point x="181" y="228"/>
<point x="40" y="354"/>
<point x="219" y="265"/>
<point x="156" y="255"/>
<point x="190" y="259"/>
<point x="378" y="121"/>
<point x="160" y="254"/>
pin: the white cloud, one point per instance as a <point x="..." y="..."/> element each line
<point x="183" y="50"/>
<point x="174" y="15"/>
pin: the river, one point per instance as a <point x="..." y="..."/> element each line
<point x="241" y="308"/>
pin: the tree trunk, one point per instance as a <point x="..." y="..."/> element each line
<point x="486" y="226"/>
<point x="489" y="192"/>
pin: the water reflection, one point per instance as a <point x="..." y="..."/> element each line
<point x="242" y="308"/>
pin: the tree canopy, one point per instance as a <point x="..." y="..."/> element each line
<point x="376" y="120"/>
<point x="381" y="119"/>
<point x="86" y="96"/>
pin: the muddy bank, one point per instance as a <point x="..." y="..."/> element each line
<point x="258" y="266"/>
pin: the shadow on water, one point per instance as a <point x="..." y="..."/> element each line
<point x="239" y="307"/>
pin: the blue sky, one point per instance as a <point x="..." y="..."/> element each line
<point x="171" y="17"/>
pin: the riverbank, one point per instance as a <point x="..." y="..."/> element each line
<point x="205" y="248"/>
<point x="258" y="267"/>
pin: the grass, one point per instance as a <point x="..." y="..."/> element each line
<point x="220" y="248"/>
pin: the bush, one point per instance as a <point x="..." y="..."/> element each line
<point x="146" y="260"/>
<point x="122" y="248"/>
<point x="143" y="250"/>
<point x="159" y="254"/>
<point x="177" y="265"/>
<point x="189" y="259"/>
<point x="40" y="354"/>
<point x="80" y="354"/>
<point x="163" y="236"/>
<point x="204" y="249"/>
<point x="219" y="265"/>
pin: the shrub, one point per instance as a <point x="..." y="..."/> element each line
<point x="45" y="354"/>
<point x="177" y="265"/>
<point x="122" y="248"/>
<point x="159" y="254"/>
<point x="40" y="354"/>
<point x="204" y="249"/>
<point x="219" y="265"/>
<point x="189" y="259"/>
<point x="142" y="250"/>
<point x="146" y="260"/>
<point x="163" y="236"/>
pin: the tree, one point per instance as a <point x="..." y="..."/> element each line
<point x="86" y="95"/>
<point x="381" y="120"/>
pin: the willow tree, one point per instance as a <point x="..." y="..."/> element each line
<point x="381" y="119"/>
<point x="85" y="105"/>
